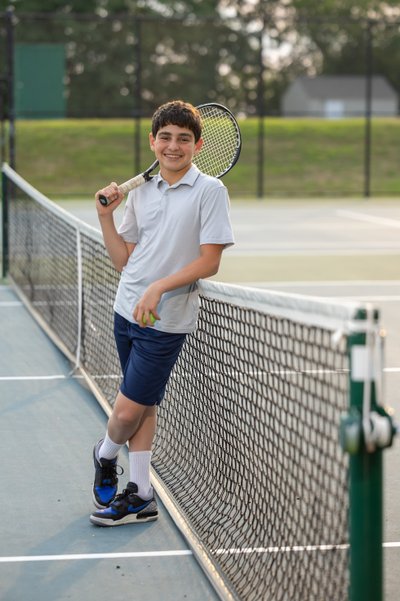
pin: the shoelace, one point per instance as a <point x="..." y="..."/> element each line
<point x="122" y="495"/>
<point x="110" y="472"/>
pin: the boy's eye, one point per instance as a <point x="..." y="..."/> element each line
<point x="180" y="140"/>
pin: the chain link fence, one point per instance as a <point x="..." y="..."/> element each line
<point x="288" y="78"/>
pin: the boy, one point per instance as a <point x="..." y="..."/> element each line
<point x="173" y="232"/>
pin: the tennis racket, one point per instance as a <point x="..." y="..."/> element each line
<point x="221" y="148"/>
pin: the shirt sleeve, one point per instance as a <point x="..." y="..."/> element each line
<point x="216" y="226"/>
<point x="129" y="227"/>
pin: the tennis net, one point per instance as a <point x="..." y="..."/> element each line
<point x="246" y="456"/>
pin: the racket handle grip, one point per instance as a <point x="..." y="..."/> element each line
<point x="127" y="186"/>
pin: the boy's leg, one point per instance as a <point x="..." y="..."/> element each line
<point x="128" y="417"/>
<point x="136" y="503"/>
<point x="147" y="358"/>
<point x="140" y="453"/>
<point x="124" y="421"/>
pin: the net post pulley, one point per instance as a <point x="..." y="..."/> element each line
<point x="371" y="426"/>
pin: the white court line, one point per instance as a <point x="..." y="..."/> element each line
<point x="79" y="556"/>
<point x="180" y="553"/>
<point x="58" y="377"/>
<point x="368" y="298"/>
<point x="29" y="378"/>
<point x="293" y="549"/>
<point x="11" y="304"/>
<point x="252" y="374"/>
<point x="370" y="218"/>
<point x="323" y="284"/>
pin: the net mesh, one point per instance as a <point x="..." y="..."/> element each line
<point x="221" y="141"/>
<point x="247" y="443"/>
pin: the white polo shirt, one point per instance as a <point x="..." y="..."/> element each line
<point x="168" y="224"/>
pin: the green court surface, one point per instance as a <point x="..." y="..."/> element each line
<point x="248" y="269"/>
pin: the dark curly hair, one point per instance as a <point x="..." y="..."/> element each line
<point x="177" y="112"/>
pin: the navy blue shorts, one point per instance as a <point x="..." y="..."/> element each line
<point x="147" y="357"/>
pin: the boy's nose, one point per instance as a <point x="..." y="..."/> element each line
<point x="173" y="143"/>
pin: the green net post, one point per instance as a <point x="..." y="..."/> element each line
<point x="4" y="188"/>
<point x="365" y="431"/>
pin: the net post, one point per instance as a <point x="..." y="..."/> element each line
<point x="365" y="431"/>
<point x="5" y="212"/>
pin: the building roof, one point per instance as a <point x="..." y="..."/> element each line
<point x="346" y="87"/>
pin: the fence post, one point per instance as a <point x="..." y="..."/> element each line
<point x="10" y="85"/>
<point x="260" y="110"/>
<point x="368" y="109"/>
<point x="5" y="202"/>
<point x="138" y="95"/>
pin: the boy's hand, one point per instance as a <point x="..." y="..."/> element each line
<point x="145" y="312"/>
<point x="114" y="196"/>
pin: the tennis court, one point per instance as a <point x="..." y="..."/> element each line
<point x="308" y="248"/>
<point x="343" y="249"/>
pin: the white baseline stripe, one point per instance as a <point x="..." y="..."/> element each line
<point x="370" y="218"/>
<point x="80" y="556"/>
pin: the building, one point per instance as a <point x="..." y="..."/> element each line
<point x="333" y="96"/>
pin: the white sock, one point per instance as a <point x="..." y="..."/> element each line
<point x="139" y="473"/>
<point x="109" y="449"/>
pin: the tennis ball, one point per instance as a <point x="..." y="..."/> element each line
<point x="152" y="319"/>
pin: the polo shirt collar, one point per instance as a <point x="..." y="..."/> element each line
<point x="188" y="179"/>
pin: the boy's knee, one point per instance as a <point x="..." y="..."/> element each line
<point x="126" y="418"/>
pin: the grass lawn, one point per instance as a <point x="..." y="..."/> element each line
<point x="302" y="157"/>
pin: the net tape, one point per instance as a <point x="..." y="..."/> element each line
<point x="247" y="443"/>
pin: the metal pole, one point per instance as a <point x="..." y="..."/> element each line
<point x="5" y="201"/>
<point x="260" y="110"/>
<point x="3" y="96"/>
<point x="368" y="110"/>
<point x="138" y="96"/>
<point x="10" y="75"/>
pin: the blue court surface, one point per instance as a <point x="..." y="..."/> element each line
<point x="49" y="551"/>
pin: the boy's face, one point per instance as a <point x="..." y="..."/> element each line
<point x="174" y="147"/>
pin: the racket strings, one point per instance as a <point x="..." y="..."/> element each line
<point x="221" y="142"/>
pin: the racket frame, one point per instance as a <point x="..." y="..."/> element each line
<point x="144" y="177"/>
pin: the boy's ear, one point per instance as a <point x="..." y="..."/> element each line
<point x="198" y="146"/>
<point x="151" y="140"/>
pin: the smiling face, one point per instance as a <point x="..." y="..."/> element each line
<point x="174" y="147"/>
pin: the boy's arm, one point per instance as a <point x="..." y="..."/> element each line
<point x="117" y="248"/>
<point x="206" y="265"/>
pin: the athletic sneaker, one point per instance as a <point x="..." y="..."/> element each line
<point x="127" y="508"/>
<point x="105" y="480"/>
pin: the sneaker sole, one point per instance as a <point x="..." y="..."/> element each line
<point x="132" y="518"/>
